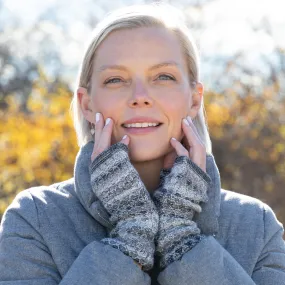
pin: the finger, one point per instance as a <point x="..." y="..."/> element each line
<point x="99" y="124"/>
<point x="194" y="129"/>
<point x="190" y="134"/>
<point x="180" y="149"/>
<point x="105" y="136"/>
<point x="185" y="142"/>
<point x="197" y="150"/>
<point x="125" y="140"/>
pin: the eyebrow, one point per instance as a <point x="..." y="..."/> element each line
<point x="156" y="66"/>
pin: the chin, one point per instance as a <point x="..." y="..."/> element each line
<point x="139" y="152"/>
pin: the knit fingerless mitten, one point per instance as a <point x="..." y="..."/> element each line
<point x="118" y="186"/>
<point x="181" y="190"/>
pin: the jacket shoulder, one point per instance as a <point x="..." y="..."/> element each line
<point x="241" y="216"/>
<point x="57" y="190"/>
<point x="246" y="216"/>
<point x="27" y="201"/>
<point x="240" y="201"/>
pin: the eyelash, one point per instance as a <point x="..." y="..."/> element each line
<point x="109" y="80"/>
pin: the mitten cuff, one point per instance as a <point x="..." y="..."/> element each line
<point x="143" y="252"/>
<point x="117" y="184"/>
<point x="193" y="166"/>
<point x="177" y="250"/>
<point x="106" y="154"/>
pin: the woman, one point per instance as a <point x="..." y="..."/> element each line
<point x="145" y="204"/>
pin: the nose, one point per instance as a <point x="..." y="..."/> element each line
<point x="140" y="97"/>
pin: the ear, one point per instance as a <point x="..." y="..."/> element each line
<point x="85" y="104"/>
<point x="196" y="99"/>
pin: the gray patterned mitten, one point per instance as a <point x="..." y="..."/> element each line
<point x="177" y="199"/>
<point x="118" y="186"/>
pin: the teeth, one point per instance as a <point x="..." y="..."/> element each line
<point x="141" y="125"/>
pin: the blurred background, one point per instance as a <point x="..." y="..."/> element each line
<point x="242" y="48"/>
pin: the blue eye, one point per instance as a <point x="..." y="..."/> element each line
<point x="111" y="80"/>
<point x="172" y="78"/>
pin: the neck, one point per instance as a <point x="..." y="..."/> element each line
<point x="149" y="172"/>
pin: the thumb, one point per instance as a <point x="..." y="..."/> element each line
<point x="125" y="140"/>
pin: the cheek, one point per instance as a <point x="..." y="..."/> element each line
<point x="176" y="108"/>
<point x="105" y="105"/>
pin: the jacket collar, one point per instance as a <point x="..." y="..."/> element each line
<point x="207" y="220"/>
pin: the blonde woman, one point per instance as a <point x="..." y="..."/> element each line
<point x="145" y="205"/>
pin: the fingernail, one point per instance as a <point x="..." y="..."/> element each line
<point x="186" y="122"/>
<point x="107" y="121"/>
<point x="97" y="117"/>
<point x="189" y="119"/>
<point x="124" y="137"/>
<point x="174" y="139"/>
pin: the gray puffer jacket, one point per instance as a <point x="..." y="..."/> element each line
<point x="51" y="235"/>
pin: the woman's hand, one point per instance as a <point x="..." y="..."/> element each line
<point x="102" y="136"/>
<point x="179" y="196"/>
<point x="117" y="185"/>
<point x="191" y="146"/>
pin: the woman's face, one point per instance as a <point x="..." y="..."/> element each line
<point x="137" y="88"/>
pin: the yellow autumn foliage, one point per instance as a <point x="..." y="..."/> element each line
<point x="38" y="147"/>
<point x="248" y="139"/>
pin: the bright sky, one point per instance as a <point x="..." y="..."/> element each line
<point x="229" y="16"/>
<point x="230" y="25"/>
<point x="233" y="19"/>
<point x="28" y="8"/>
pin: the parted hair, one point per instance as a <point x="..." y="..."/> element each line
<point x="136" y="16"/>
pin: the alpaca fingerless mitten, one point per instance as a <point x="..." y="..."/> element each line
<point x="118" y="186"/>
<point x="177" y="199"/>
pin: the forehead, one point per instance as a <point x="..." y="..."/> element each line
<point x="143" y="45"/>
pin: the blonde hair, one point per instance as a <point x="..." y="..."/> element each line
<point x="131" y="17"/>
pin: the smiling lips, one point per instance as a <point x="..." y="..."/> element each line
<point x="141" y="125"/>
<point x="141" y="119"/>
<point x="141" y="130"/>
